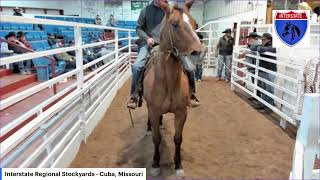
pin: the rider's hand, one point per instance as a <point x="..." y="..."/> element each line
<point x="150" y="42"/>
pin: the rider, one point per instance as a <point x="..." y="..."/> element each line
<point x="148" y="30"/>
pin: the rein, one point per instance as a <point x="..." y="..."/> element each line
<point x="174" y="51"/>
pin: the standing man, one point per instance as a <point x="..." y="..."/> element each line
<point x="267" y="47"/>
<point x="225" y="48"/>
<point x="148" y="30"/>
<point x="112" y="21"/>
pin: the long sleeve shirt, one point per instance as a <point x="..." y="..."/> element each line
<point x="148" y="25"/>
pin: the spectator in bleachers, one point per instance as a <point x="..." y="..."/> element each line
<point x="112" y="21"/>
<point x="52" y="39"/>
<point x="266" y="47"/>
<point x="107" y="34"/>
<point x="17" y="12"/>
<point x="22" y="38"/>
<point x="24" y="66"/>
<point x="88" y="55"/>
<point x="67" y="58"/>
<point x="98" y="20"/>
<point x="224" y="51"/>
<point x="4" y="50"/>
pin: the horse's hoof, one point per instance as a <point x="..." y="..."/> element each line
<point x="155" y="172"/>
<point x="149" y="133"/>
<point x="180" y="173"/>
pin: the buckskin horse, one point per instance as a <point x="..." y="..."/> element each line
<point x="166" y="88"/>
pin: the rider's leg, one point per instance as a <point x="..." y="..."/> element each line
<point x="137" y="68"/>
<point x="194" y="101"/>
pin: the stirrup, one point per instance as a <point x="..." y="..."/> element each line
<point x="133" y="103"/>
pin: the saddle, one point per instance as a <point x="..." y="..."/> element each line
<point x="148" y="62"/>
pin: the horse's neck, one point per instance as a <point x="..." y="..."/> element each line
<point x="171" y="70"/>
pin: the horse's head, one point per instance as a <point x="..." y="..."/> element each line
<point x="286" y="30"/>
<point x="178" y="30"/>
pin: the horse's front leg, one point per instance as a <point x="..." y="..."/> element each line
<point x="180" y="119"/>
<point x="156" y="137"/>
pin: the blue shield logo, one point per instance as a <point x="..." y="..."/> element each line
<point x="291" y="27"/>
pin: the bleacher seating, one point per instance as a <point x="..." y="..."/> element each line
<point x="38" y="38"/>
<point x="127" y="25"/>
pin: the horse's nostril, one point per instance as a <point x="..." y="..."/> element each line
<point x="195" y="53"/>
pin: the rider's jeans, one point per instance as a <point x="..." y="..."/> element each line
<point x="137" y="68"/>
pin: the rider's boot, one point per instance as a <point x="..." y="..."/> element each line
<point x="194" y="102"/>
<point x="133" y="103"/>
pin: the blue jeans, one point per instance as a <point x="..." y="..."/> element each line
<point x="24" y="65"/>
<point x="137" y="68"/>
<point x="266" y="87"/>
<point x="190" y="75"/>
<point x="224" y="61"/>
<point x="199" y="71"/>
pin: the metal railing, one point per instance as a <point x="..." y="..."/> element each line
<point x="46" y="140"/>
<point x="249" y="81"/>
<point x="288" y="78"/>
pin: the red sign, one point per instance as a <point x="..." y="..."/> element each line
<point x="291" y="15"/>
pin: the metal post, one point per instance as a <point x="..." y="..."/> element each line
<point x="79" y="57"/>
<point x="238" y="33"/>
<point x="209" y="45"/>
<point x="116" y="47"/>
<point x="80" y="78"/>
<point x="129" y="51"/>
<point x="256" y="73"/>
<point x="234" y="56"/>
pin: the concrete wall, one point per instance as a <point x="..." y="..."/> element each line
<point x="90" y="8"/>
<point x="235" y="9"/>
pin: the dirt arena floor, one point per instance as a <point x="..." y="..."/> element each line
<point x="223" y="138"/>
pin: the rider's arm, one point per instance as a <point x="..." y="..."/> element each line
<point x="141" y="25"/>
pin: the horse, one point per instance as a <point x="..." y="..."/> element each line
<point x="291" y="29"/>
<point x="166" y="88"/>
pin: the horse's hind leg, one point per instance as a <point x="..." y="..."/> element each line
<point x="156" y="137"/>
<point x="180" y="119"/>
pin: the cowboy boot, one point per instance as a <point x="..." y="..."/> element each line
<point x="133" y="103"/>
<point x="194" y="102"/>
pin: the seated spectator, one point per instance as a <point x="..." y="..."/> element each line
<point x="68" y="59"/>
<point x="98" y="20"/>
<point x="5" y="52"/>
<point x="87" y="55"/>
<point x="267" y="47"/>
<point x="17" y="12"/>
<point x="52" y="40"/>
<point x="22" y="38"/>
<point x="24" y="66"/>
<point x="107" y="35"/>
<point x="112" y="21"/>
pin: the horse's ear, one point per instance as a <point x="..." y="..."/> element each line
<point x="163" y="4"/>
<point x="188" y="4"/>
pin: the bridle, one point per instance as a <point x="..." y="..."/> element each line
<point x="174" y="50"/>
